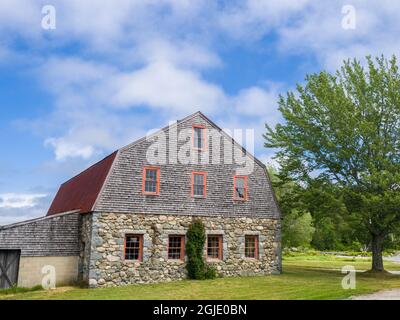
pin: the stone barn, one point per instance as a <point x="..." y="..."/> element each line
<point x="124" y="219"/>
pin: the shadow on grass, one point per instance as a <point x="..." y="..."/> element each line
<point x="15" y="290"/>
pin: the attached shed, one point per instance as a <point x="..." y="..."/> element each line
<point x="27" y="247"/>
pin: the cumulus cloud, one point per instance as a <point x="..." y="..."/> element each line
<point x="92" y="100"/>
<point x="154" y="56"/>
<point x="319" y="31"/>
<point x="258" y="101"/>
<point x="16" y="207"/>
<point x="16" y="201"/>
<point x="65" y="149"/>
<point x="252" y="19"/>
<point x="163" y="85"/>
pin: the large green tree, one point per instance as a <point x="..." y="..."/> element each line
<point x="344" y="129"/>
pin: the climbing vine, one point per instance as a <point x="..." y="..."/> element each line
<point x="196" y="266"/>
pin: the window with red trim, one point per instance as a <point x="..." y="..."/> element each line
<point x="176" y="247"/>
<point x="251" y="246"/>
<point x="240" y="188"/>
<point x="133" y="247"/>
<point x="151" y="180"/>
<point x="214" y="247"/>
<point x="199" y="137"/>
<point x="199" y="184"/>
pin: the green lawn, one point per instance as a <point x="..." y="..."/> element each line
<point x="304" y="277"/>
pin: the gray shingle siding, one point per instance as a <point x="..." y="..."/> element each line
<point x="53" y="236"/>
<point x="122" y="191"/>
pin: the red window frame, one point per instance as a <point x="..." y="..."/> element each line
<point x="204" y="174"/>
<point x="219" y="237"/>
<point x="157" y="181"/>
<point x="255" y="237"/>
<point x="140" y="236"/>
<point x="182" y="249"/>
<point x="204" y="137"/>
<point x="245" y="188"/>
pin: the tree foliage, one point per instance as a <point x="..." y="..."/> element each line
<point x="343" y="130"/>
<point x="297" y="225"/>
<point x="297" y="229"/>
<point x="196" y="266"/>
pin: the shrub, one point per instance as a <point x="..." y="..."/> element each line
<point x="196" y="266"/>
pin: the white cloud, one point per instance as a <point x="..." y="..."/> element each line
<point x="252" y="19"/>
<point x="17" y="201"/>
<point x="258" y="101"/>
<point x="15" y="207"/>
<point x="92" y="100"/>
<point x="154" y="56"/>
<point x="64" y="149"/>
<point x="319" y="31"/>
<point x="180" y="53"/>
<point x="163" y="85"/>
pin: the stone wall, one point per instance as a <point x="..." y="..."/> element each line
<point x="85" y="247"/>
<point x="108" y="268"/>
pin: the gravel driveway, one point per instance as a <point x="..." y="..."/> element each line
<point x="393" y="294"/>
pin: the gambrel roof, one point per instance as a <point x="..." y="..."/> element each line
<point x="84" y="192"/>
<point x="81" y="192"/>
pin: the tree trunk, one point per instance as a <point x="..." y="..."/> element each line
<point x="377" y="248"/>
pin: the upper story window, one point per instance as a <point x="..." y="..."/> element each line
<point x="240" y="188"/>
<point x="199" y="184"/>
<point x="199" y="137"/>
<point x="176" y="247"/>
<point x="133" y="247"/>
<point x="214" y="247"/>
<point x="251" y="246"/>
<point x="151" y="180"/>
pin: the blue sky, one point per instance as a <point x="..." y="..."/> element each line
<point x="111" y="71"/>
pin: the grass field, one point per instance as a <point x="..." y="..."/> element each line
<point x="303" y="277"/>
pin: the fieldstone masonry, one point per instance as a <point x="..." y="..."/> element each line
<point x="108" y="267"/>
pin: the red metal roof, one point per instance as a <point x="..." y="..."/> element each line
<point x="80" y="192"/>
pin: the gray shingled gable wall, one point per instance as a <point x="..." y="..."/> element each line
<point x="50" y="236"/>
<point x="122" y="191"/>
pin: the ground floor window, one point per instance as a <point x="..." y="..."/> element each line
<point x="251" y="246"/>
<point x="214" y="247"/>
<point x="134" y="247"/>
<point x="176" y="247"/>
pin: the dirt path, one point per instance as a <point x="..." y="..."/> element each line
<point x="393" y="294"/>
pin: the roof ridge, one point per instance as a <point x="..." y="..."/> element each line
<point x="16" y="224"/>
<point x="206" y="119"/>
<point x="231" y="138"/>
<point x="159" y="130"/>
